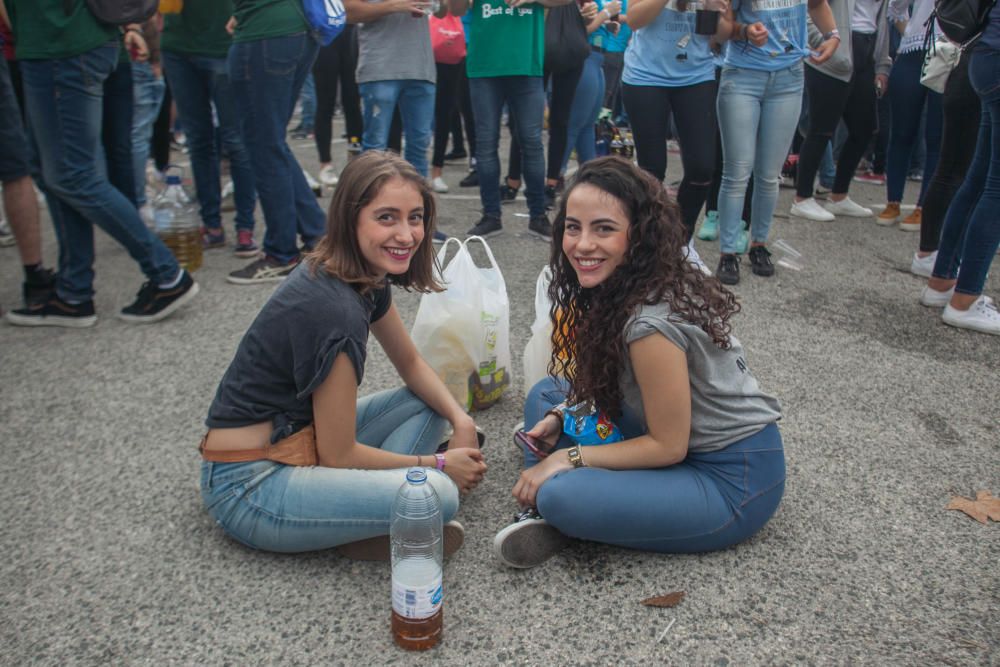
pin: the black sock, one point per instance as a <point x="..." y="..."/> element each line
<point x="36" y="274"/>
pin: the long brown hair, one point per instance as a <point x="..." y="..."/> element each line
<point x="338" y="252"/>
<point x="588" y="333"/>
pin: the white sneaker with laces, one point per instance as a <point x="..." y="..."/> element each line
<point x="934" y="299"/>
<point x="811" y="210"/>
<point x="981" y="316"/>
<point x="328" y="176"/>
<point x="847" y="207"/>
<point x="691" y="253"/>
<point x="439" y="185"/>
<point x="923" y="266"/>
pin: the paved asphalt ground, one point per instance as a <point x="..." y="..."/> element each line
<point x="107" y="557"/>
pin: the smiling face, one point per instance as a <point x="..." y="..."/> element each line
<point x="391" y="227"/>
<point x="596" y="237"/>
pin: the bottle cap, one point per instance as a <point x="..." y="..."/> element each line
<point x="416" y="476"/>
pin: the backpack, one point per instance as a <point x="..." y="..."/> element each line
<point x="117" y="12"/>
<point x="326" y="17"/>
<point x="961" y="21"/>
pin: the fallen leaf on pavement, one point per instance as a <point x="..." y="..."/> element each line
<point x="984" y="507"/>
<point x="668" y="600"/>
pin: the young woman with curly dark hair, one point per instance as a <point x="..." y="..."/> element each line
<point x="640" y="333"/>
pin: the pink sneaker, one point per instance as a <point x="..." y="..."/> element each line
<point x="245" y="246"/>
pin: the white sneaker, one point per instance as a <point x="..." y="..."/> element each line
<point x="811" y="210"/>
<point x="6" y="236"/>
<point x="934" y="299"/>
<point x="923" y="266"/>
<point x="328" y="176"/>
<point x="981" y="316"/>
<point x="691" y="253"/>
<point x="439" y="185"/>
<point x="848" y="208"/>
<point x="228" y="190"/>
<point x="313" y="184"/>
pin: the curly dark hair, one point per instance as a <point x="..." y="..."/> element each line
<point x="588" y="324"/>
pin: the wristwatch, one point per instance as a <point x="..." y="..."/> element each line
<point x="830" y="35"/>
<point x="575" y="457"/>
<point x="439" y="461"/>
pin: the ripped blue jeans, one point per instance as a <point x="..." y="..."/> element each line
<point x="708" y="501"/>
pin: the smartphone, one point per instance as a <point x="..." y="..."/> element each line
<point x="536" y="446"/>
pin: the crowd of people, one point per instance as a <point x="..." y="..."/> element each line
<point x="84" y="104"/>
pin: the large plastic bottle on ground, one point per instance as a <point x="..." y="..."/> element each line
<point x="416" y="532"/>
<point x="177" y="223"/>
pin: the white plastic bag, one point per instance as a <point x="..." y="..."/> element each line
<point x="464" y="331"/>
<point x="538" y="351"/>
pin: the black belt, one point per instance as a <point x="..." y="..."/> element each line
<point x="597" y="49"/>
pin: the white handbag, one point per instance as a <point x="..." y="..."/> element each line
<point x="939" y="61"/>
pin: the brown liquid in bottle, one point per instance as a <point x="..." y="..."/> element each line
<point x="186" y="246"/>
<point x="418" y="634"/>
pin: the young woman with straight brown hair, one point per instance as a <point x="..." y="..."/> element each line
<point x="294" y="381"/>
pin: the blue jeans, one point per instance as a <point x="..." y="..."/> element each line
<point x="971" y="231"/>
<point x="587" y="103"/>
<point x="525" y="98"/>
<point x="290" y="509"/>
<point x="147" y="91"/>
<point x="197" y="83"/>
<point x="116" y="130"/>
<point x="416" y="107"/>
<point x="64" y="99"/>
<point x="758" y="113"/>
<point x="708" y="501"/>
<point x="308" y="102"/>
<point x="906" y="100"/>
<point x="266" y="76"/>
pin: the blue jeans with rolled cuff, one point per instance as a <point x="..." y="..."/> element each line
<point x="708" y="501"/>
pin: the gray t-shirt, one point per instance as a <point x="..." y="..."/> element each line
<point x="397" y="46"/>
<point x="289" y="349"/>
<point x="727" y="404"/>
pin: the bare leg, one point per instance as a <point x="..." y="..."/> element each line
<point x="22" y="210"/>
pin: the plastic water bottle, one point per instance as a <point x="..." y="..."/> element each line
<point x="416" y="532"/>
<point x="177" y="223"/>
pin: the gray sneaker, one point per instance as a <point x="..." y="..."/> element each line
<point x="488" y="225"/>
<point x="528" y="542"/>
<point x="263" y="270"/>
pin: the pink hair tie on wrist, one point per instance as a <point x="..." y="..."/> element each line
<point x="440" y="462"/>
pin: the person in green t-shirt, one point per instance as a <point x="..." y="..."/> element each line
<point x="504" y="65"/>
<point x="272" y="52"/>
<point x="66" y="56"/>
<point x="195" y="44"/>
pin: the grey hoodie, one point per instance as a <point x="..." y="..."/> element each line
<point x="840" y="65"/>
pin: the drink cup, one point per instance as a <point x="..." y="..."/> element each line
<point x="788" y="257"/>
<point x="706" y="21"/>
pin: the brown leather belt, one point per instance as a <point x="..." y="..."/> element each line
<point x="298" y="449"/>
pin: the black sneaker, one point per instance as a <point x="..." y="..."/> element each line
<point x="728" y="272"/>
<point x="471" y="180"/>
<point x="760" y="261"/>
<point x="263" y="270"/>
<point x="541" y="227"/>
<point x="528" y="542"/>
<point x="55" y="313"/>
<point x="507" y="194"/>
<point x="39" y="288"/>
<point x="457" y="154"/>
<point x="155" y="303"/>
<point x="550" y="197"/>
<point x="488" y="225"/>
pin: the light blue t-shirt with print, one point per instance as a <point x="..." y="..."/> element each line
<point x="787" y="40"/>
<point x="603" y="38"/>
<point x="668" y="53"/>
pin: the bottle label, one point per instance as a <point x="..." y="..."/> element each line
<point x="417" y="601"/>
